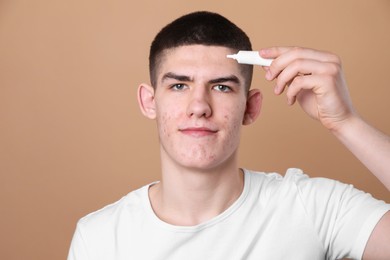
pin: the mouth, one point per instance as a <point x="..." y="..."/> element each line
<point x="198" y="131"/>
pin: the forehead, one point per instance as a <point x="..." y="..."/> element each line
<point x="198" y="61"/>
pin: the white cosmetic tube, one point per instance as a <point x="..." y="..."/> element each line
<point x="250" y="57"/>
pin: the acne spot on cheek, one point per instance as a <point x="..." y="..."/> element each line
<point x="164" y="119"/>
<point x="211" y="157"/>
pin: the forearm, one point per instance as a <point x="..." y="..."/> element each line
<point x="369" y="145"/>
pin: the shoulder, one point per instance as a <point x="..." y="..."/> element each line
<point x="320" y="196"/>
<point x="97" y="233"/>
<point x="294" y="177"/>
<point x="308" y="189"/>
<point x="107" y="216"/>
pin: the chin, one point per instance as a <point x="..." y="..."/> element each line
<point x="200" y="158"/>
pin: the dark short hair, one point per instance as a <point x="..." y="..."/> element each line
<point x="204" y="28"/>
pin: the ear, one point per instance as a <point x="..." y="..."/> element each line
<point x="253" y="106"/>
<point x="146" y="100"/>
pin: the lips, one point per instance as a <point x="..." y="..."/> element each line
<point x="198" y="131"/>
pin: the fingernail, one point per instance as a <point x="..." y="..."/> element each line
<point x="264" y="51"/>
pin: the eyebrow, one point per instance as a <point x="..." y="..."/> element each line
<point x="171" y="75"/>
<point x="185" y="78"/>
<point x="231" y="78"/>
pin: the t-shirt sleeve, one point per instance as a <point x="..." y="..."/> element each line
<point x="77" y="249"/>
<point x="342" y="215"/>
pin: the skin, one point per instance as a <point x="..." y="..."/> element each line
<point x="317" y="81"/>
<point x="199" y="104"/>
<point x="199" y="125"/>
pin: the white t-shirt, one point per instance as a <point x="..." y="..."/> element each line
<point x="275" y="217"/>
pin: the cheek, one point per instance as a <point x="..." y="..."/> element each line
<point x="162" y="124"/>
<point x="166" y="121"/>
<point x="234" y="116"/>
<point x="233" y="121"/>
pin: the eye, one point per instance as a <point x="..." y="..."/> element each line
<point x="178" y="87"/>
<point x="222" y="88"/>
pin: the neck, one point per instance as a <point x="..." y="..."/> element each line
<point x="188" y="197"/>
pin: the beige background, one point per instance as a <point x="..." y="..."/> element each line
<point x="73" y="140"/>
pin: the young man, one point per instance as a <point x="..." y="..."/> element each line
<point x="205" y="206"/>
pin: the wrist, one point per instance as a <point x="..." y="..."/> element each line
<point x="348" y="126"/>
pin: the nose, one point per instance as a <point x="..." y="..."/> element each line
<point x="199" y="103"/>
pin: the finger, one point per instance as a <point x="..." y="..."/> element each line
<point x="299" y="52"/>
<point x="303" y="67"/>
<point x="287" y="55"/>
<point x="311" y="82"/>
<point x="273" y="52"/>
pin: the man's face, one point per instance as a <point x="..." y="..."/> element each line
<point x="200" y="101"/>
